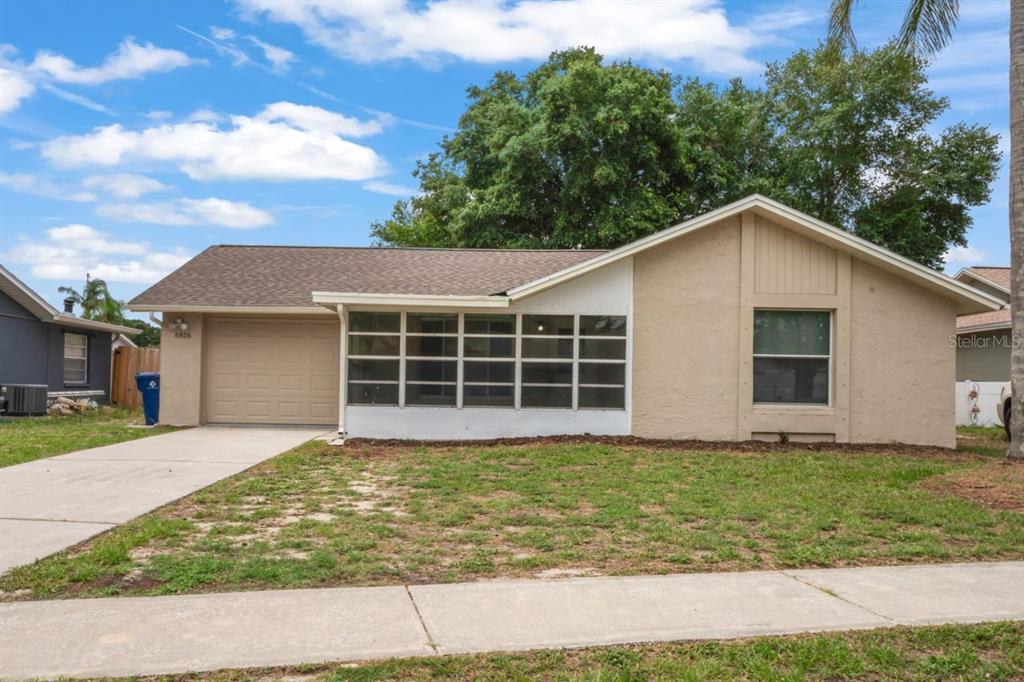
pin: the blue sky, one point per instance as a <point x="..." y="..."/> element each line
<point x="133" y="135"/>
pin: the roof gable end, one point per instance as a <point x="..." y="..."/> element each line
<point x="969" y="299"/>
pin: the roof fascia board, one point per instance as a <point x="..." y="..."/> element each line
<point x="82" y="323"/>
<point x="229" y="309"/>
<point x="45" y="310"/>
<point x="968" y="272"/>
<point x="334" y="298"/>
<point x="793" y="219"/>
<point x="991" y="327"/>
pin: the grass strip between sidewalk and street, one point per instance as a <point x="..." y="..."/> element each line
<point x="993" y="652"/>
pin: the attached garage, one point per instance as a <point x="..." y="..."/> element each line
<point x="271" y="371"/>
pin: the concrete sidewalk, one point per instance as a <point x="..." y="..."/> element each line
<point x="54" y="503"/>
<point x="153" y="635"/>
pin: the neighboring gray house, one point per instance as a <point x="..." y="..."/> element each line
<point x="41" y="345"/>
<point x="983" y="348"/>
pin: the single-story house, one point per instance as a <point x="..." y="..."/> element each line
<point x="750" y="321"/>
<point x="41" y="345"/>
<point x="983" y="348"/>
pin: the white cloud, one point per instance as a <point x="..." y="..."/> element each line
<point x="158" y="115"/>
<point x="211" y="211"/>
<point x="279" y="58"/>
<point x="496" y="31"/>
<point x="964" y="255"/>
<point x="390" y="189"/>
<point x="71" y="251"/>
<point x="221" y="33"/>
<point x="284" y="142"/>
<point x="127" y="185"/>
<point x="131" y="60"/>
<point x="14" y="87"/>
<point x="27" y="183"/>
<point x="315" y="119"/>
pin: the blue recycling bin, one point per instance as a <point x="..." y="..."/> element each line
<point x="148" y="384"/>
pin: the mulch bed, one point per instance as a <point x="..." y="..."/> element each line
<point x="748" y="446"/>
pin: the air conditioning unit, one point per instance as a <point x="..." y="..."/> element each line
<point x="25" y="400"/>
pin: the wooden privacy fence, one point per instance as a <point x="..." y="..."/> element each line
<point x="127" y="363"/>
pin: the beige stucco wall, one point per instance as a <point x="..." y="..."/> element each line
<point x="983" y="356"/>
<point x="685" y="336"/>
<point x="181" y="364"/>
<point x="694" y="300"/>
<point x="903" y="362"/>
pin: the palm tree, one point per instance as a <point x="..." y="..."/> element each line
<point x="927" y="28"/>
<point x="96" y="301"/>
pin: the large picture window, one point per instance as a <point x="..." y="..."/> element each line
<point x="76" y="358"/>
<point x="792" y="356"/>
<point x="487" y="360"/>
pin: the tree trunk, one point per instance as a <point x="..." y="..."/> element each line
<point x="1016" y="449"/>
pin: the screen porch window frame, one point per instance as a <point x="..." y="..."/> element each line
<point x="568" y="350"/>
<point x="83" y="358"/>
<point x="829" y="358"/>
<point x="466" y="360"/>
<point x="398" y="357"/>
<point x="444" y="336"/>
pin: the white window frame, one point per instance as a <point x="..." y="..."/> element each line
<point x="84" y="359"/>
<point x="463" y="358"/>
<point x="600" y="361"/>
<point x="571" y="361"/>
<point x="830" y="357"/>
<point x="517" y="360"/>
<point x="399" y="358"/>
<point x="403" y="371"/>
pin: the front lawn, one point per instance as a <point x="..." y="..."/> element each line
<point x="27" y="438"/>
<point x="982" y="440"/>
<point x="370" y="514"/>
<point x="989" y="651"/>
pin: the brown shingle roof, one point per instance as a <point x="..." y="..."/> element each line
<point x="287" y="275"/>
<point x="983" y="319"/>
<point x="995" y="274"/>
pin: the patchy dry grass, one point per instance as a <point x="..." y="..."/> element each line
<point x="999" y="485"/>
<point x="989" y="441"/>
<point x="989" y="651"/>
<point x="29" y="438"/>
<point x="370" y="514"/>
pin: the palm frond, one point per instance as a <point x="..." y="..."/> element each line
<point x="840" y="24"/>
<point x="928" y="25"/>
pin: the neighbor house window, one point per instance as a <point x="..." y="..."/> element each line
<point x="792" y="356"/>
<point x="374" y="350"/>
<point x="76" y="358"/>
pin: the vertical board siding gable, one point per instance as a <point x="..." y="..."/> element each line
<point x="788" y="263"/>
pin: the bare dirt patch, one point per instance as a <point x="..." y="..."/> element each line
<point x="998" y="486"/>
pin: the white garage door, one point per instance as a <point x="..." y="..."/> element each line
<point x="271" y="371"/>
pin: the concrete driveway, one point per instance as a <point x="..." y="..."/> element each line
<point x="50" y="504"/>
